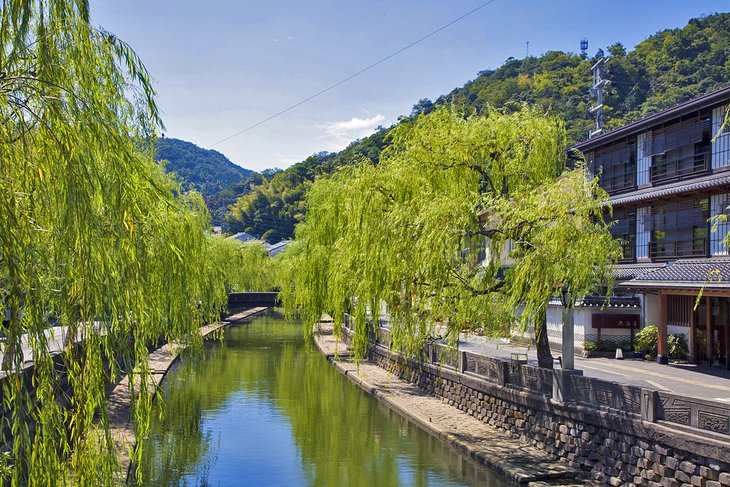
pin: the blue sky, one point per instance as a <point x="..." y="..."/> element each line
<point x="221" y="66"/>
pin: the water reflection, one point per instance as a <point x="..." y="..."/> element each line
<point x="264" y="408"/>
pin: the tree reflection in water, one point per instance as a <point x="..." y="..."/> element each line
<point x="263" y="407"/>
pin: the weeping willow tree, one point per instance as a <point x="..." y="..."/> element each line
<point x="243" y="266"/>
<point x="98" y="248"/>
<point x="410" y="231"/>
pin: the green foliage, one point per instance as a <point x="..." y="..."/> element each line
<point x="277" y="204"/>
<point x="205" y="170"/>
<point x="667" y="68"/>
<point x="408" y="231"/>
<point x="243" y="267"/>
<point x="219" y="180"/>
<point x="646" y="340"/>
<point x="677" y="346"/>
<point x="607" y="345"/>
<point x="96" y="239"/>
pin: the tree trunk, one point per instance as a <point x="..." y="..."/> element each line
<point x="544" y="356"/>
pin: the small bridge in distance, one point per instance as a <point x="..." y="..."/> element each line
<point x="252" y="300"/>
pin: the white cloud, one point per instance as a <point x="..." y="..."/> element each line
<point x="340" y="134"/>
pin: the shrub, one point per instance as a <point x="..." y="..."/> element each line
<point x="677" y="346"/>
<point x="646" y="340"/>
<point x="590" y="346"/>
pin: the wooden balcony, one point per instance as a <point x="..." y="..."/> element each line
<point x="697" y="247"/>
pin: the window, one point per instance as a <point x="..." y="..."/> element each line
<point x="615" y="166"/>
<point x="623" y="229"/>
<point x="680" y="150"/>
<point x="678" y="229"/>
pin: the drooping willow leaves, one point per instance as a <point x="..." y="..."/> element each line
<point x="97" y="245"/>
<point x="413" y="231"/>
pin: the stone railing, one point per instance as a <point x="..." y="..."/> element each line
<point x="641" y="403"/>
<point x="623" y="435"/>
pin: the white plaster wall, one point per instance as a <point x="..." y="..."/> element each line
<point x="606" y="332"/>
<point x="651" y="309"/>
<point x="679" y="330"/>
<point x="555" y="325"/>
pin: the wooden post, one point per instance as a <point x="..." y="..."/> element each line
<point x="662" y="353"/>
<point x="692" y="333"/>
<point x="708" y="327"/>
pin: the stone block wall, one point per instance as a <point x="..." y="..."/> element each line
<point x="617" y="447"/>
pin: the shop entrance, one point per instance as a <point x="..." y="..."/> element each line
<point x="710" y="343"/>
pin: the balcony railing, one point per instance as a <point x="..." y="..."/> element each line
<point x="697" y="247"/>
<point x="618" y="182"/>
<point x="680" y="167"/>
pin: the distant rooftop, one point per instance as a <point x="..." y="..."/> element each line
<point x="277" y="247"/>
<point x="243" y="236"/>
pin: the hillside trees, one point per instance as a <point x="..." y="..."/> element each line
<point x="409" y="231"/>
<point x="97" y="244"/>
<point x="669" y="67"/>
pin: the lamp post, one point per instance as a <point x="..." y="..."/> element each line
<point x="568" y="329"/>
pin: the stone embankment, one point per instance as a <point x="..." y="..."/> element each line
<point x="608" y="431"/>
<point x="498" y="449"/>
<point x="160" y="361"/>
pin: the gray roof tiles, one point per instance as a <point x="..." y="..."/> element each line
<point x="703" y="183"/>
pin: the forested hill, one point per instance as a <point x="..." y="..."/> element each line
<point x="669" y="67"/>
<point x="208" y="171"/>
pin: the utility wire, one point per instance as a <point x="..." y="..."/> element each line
<point x="367" y="68"/>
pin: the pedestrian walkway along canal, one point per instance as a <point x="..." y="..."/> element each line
<point x="263" y="407"/>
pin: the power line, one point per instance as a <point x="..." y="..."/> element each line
<point x="367" y="68"/>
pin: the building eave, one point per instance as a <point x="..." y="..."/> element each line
<point x="714" y="98"/>
<point x="706" y="183"/>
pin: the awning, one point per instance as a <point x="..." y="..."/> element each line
<point x="686" y="274"/>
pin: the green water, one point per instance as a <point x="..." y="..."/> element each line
<point x="265" y="408"/>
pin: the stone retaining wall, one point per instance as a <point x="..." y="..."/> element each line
<point x="615" y="438"/>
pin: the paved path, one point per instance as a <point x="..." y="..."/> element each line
<point x="684" y="379"/>
<point x="495" y="448"/>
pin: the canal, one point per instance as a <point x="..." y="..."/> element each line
<point x="263" y="407"/>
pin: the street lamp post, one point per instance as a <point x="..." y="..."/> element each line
<point x="568" y="329"/>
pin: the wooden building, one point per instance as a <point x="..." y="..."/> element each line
<point x="668" y="177"/>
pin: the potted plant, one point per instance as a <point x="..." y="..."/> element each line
<point x="645" y="342"/>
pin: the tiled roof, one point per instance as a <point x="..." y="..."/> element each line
<point x="706" y="182"/>
<point x="277" y="247"/>
<point x="616" y="302"/>
<point x="711" y="273"/>
<point x="623" y="272"/>
<point x="243" y="236"/>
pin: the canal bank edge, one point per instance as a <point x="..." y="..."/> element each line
<point x="616" y="448"/>
<point x="160" y="361"/>
<point x="490" y="446"/>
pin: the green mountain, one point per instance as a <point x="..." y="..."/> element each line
<point x="667" y="68"/>
<point x="218" y="179"/>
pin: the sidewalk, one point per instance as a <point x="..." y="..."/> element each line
<point x="684" y="379"/>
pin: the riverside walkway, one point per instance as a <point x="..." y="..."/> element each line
<point x="495" y="448"/>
